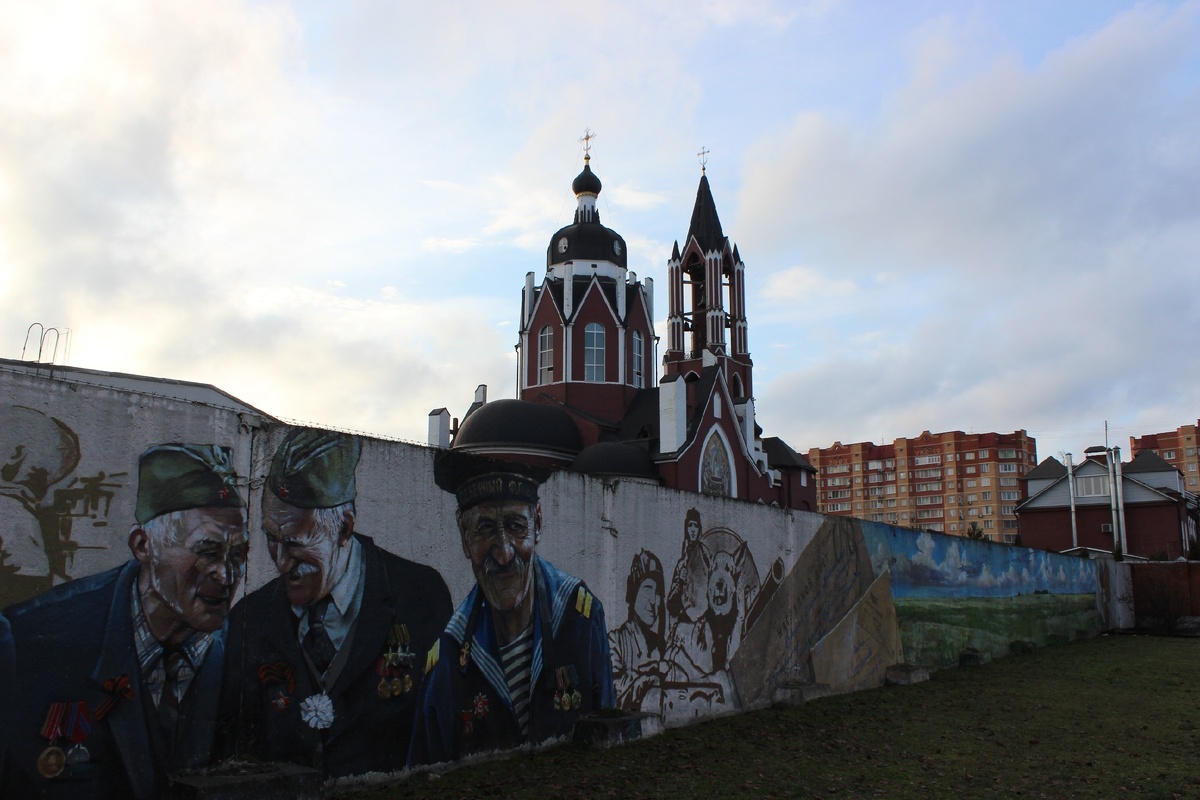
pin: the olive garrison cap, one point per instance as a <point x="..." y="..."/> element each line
<point x="175" y="477"/>
<point x="474" y="479"/>
<point x="315" y="469"/>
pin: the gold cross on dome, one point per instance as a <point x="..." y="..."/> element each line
<point x="703" y="156"/>
<point x="587" y="142"/>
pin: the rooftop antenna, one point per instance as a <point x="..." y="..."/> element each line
<point x="703" y="156"/>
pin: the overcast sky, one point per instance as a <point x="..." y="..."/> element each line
<point x="955" y="215"/>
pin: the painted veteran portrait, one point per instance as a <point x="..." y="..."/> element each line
<point x="326" y="663"/>
<point x="526" y="653"/>
<point x="116" y="675"/>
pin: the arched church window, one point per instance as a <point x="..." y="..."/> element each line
<point x="546" y="355"/>
<point x="716" y="475"/>
<point x="639" y="361"/>
<point x="593" y="352"/>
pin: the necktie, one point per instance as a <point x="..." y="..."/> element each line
<point x="317" y="643"/>
<point x="168" y="705"/>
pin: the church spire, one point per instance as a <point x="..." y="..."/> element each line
<point x="706" y="225"/>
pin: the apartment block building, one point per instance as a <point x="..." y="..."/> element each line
<point x="936" y="481"/>
<point x="1179" y="448"/>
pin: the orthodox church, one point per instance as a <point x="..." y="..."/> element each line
<point x="585" y="369"/>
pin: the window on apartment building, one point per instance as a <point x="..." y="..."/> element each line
<point x="856" y="466"/>
<point x="1008" y="467"/>
<point x="986" y="496"/>
<point x="970" y="470"/>
<point x="1008" y="510"/>
<point x="1008" y="481"/>
<point x="986" y="467"/>
<point x="932" y="500"/>
<point x="985" y="481"/>
<point x="858" y="506"/>
<point x="953" y="526"/>
<point x="1092" y="486"/>
<point x="891" y="503"/>
<point x="875" y="491"/>
<point x="1010" y="495"/>
<point x="874" y="465"/>
<point x="989" y="523"/>
<point x="949" y="472"/>
<point x="836" y="469"/>
<point x="875" y="477"/>
<point x="970" y="456"/>
<point x="1168" y="454"/>
<point x="1189" y="452"/>
<point x="983" y="453"/>
<point x="971" y="498"/>
<point x="889" y="490"/>
<point x="840" y="494"/>
<point x="1009" y="525"/>
<point x="889" y="463"/>
<point x="972" y="512"/>
<point x="929" y="487"/>
<point x="593" y="352"/>
<point x="838" y="507"/>
<point x="936" y="527"/>
<point x="927" y="473"/>
<point x="1006" y="453"/>
<point x="924" y="461"/>
<point x="929" y="513"/>
<point x="972" y="484"/>
<point x="1192" y="467"/>
<point x="986" y="511"/>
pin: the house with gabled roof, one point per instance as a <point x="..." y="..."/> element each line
<point x="1074" y="508"/>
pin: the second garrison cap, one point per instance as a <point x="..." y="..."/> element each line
<point x="315" y="469"/>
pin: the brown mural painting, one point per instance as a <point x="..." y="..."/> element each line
<point x="729" y="638"/>
<point x="42" y="503"/>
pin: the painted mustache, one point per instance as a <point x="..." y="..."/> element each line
<point x="491" y="567"/>
<point x="302" y="570"/>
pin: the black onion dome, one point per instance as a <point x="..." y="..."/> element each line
<point x="586" y="241"/>
<point x="615" y="459"/>
<point x="586" y="182"/>
<point x="521" y="425"/>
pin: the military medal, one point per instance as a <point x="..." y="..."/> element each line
<point x="79" y="727"/>
<point x="576" y="697"/>
<point x="397" y="687"/>
<point x="385" y="688"/>
<point x="280" y="674"/>
<point x="51" y="762"/>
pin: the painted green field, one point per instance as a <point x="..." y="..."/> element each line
<point x="936" y="630"/>
<point x="1105" y="717"/>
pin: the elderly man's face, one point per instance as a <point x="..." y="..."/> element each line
<point x="310" y="557"/>
<point x="193" y="573"/>
<point x="499" y="537"/>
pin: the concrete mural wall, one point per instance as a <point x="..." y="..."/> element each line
<point x="645" y="598"/>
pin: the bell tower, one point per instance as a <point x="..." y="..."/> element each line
<point x="706" y="319"/>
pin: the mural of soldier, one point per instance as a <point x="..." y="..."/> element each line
<point x="117" y="674"/>
<point x="680" y="602"/>
<point x="526" y="653"/>
<point x="637" y="646"/>
<point x="36" y="452"/>
<point x="325" y="665"/>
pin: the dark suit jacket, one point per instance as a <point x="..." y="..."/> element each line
<point x="268" y="678"/>
<point x="68" y="642"/>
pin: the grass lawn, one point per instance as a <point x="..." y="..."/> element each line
<point x="1106" y="717"/>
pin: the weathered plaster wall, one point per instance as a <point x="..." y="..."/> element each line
<point x="711" y="604"/>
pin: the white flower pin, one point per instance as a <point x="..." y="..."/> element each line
<point x="317" y="711"/>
